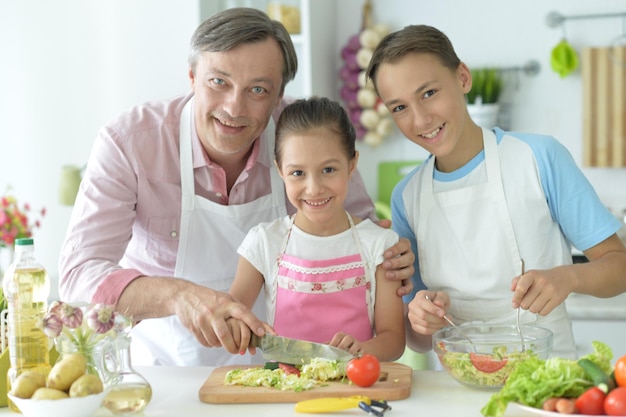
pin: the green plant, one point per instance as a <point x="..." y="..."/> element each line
<point x="487" y="84"/>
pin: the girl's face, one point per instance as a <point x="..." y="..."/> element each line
<point x="427" y="102"/>
<point x="316" y="172"/>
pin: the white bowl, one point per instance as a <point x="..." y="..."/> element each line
<point x="66" y="407"/>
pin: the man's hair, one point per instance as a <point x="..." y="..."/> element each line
<point x="240" y="25"/>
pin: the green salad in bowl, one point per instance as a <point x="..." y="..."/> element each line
<point x="493" y="354"/>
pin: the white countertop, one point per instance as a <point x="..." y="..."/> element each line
<point x="175" y="394"/>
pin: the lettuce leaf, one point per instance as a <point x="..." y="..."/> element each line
<point x="535" y="380"/>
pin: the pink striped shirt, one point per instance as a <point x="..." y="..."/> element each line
<point x="127" y="215"/>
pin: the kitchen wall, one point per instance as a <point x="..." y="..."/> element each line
<point x="506" y="34"/>
<point x="67" y="67"/>
<point x="70" y="65"/>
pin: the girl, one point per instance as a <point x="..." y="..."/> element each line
<point x="321" y="268"/>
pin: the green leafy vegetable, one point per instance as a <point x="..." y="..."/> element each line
<point x="535" y="380"/>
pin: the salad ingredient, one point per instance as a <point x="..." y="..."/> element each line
<point x="550" y="404"/>
<point x="566" y="406"/>
<point x="487" y="363"/>
<point x="276" y="378"/>
<point x="479" y="372"/>
<point x="287" y="377"/>
<point x="599" y="378"/>
<point x="289" y="369"/>
<point x="321" y="369"/>
<point x="363" y="371"/>
<point x="619" y="372"/>
<point x="615" y="402"/>
<point x="534" y="380"/>
<point x="591" y="402"/>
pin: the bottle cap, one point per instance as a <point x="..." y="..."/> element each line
<point x="23" y="241"/>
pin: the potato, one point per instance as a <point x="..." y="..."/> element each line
<point x="86" y="385"/>
<point x="48" y="394"/>
<point x="27" y="383"/>
<point x="66" y="371"/>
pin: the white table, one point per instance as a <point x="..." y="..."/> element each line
<point x="175" y="394"/>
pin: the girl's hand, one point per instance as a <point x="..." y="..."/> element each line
<point x="346" y="342"/>
<point x="426" y="317"/>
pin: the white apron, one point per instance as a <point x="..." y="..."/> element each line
<point x="468" y="248"/>
<point x="209" y="236"/>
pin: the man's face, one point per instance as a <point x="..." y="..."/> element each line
<point x="235" y="94"/>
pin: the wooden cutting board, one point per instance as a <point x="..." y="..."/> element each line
<point x="395" y="386"/>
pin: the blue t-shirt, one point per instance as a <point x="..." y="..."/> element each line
<point x="573" y="203"/>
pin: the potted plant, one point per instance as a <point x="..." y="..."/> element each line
<point x="482" y="99"/>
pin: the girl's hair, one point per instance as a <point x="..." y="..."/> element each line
<point x="240" y="25"/>
<point x="413" y="39"/>
<point x="306" y="114"/>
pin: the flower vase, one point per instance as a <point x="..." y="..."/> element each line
<point x="100" y="353"/>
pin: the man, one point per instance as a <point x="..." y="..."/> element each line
<point x="172" y="188"/>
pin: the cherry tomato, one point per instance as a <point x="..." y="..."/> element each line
<point x="289" y="369"/>
<point x="486" y="363"/>
<point x="591" y="402"/>
<point x="620" y="371"/>
<point x="615" y="402"/>
<point x="363" y="371"/>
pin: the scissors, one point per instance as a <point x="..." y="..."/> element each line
<point x="328" y="404"/>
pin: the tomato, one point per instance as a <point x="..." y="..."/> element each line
<point x="289" y="369"/>
<point x="486" y="363"/>
<point x="591" y="402"/>
<point x="615" y="402"/>
<point x="620" y="371"/>
<point x="363" y="371"/>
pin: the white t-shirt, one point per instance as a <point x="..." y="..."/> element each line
<point x="261" y="247"/>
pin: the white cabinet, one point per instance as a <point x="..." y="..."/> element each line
<point x="317" y="65"/>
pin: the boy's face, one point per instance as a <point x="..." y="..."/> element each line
<point x="427" y="102"/>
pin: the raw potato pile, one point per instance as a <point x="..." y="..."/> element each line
<point x="68" y="378"/>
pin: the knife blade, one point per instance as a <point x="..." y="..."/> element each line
<point x="295" y="351"/>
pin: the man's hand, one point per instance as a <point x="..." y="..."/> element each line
<point x="204" y="313"/>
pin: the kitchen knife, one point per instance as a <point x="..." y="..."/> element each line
<point x="294" y="351"/>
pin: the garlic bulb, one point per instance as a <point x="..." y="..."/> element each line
<point x="366" y="98"/>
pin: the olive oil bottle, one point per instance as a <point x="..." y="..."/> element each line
<point x="26" y="287"/>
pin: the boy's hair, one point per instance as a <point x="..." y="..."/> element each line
<point x="306" y="114"/>
<point x="240" y="25"/>
<point x="412" y="39"/>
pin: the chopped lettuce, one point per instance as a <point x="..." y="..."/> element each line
<point x="461" y="366"/>
<point x="321" y="369"/>
<point x="535" y="380"/>
<point x="312" y="374"/>
<point x="271" y="378"/>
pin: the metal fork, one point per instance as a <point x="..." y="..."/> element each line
<point x="519" y="329"/>
<point x="461" y="332"/>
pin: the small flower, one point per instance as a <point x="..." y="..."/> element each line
<point x="14" y="220"/>
<point x="52" y="325"/>
<point x="72" y="317"/>
<point x="64" y="323"/>
<point x="101" y="318"/>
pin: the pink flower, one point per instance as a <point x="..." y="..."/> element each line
<point x="14" y="222"/>
<point x="101" y="318"/>
<point x="52" y="325"/>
